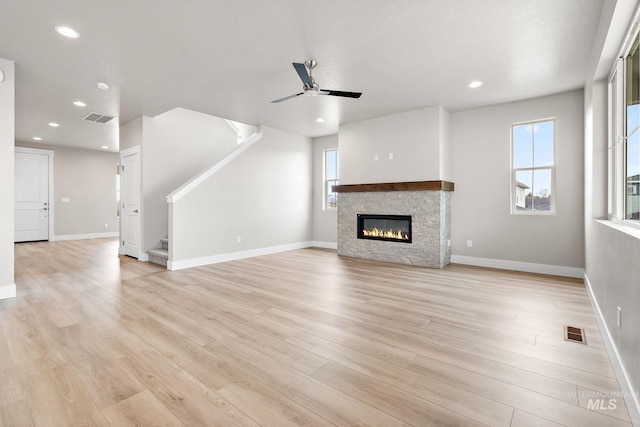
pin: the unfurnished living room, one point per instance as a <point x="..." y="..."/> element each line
<point x="295" y="213"/>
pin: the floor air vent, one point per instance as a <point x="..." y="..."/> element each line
<point x="573" y="334"/>
<point x="98" y="118"/>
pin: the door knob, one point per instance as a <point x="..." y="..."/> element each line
<point x="136" y="211"/>
<point x="45" y="209"/>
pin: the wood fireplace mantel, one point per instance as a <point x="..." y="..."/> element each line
<point x="395" y="186"/>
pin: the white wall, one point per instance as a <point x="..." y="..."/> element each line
<point x="414" y="138"/>
<point x="88" y="179"/>
<point x="176" y="145"/>
<point x="480" y="211"/>
<point x="325" y="222"/>
<point x="263" y="196"/>
<point x="131" y="133"/>
<point x="7" y="134"/>
<point x="612" y="269"/>
<point x="445" y="144"/>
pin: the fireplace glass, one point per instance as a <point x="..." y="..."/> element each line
<point x="393" y="228"/>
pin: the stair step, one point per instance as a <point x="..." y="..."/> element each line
<point x="158" y="256"/>
<point x="159" y="252"/>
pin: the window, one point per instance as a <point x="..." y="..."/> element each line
<point x="330" y="179"/>
<point x="632" y="116"/>
<point x="533" y="167"/>
<point x="624" y="137"/>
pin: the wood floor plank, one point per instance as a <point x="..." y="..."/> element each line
<point x="269" y="407"/>
<point x="535" y="403"/>
<point x="10" y="387"/>
<point x="141" y="409"/>
<point x="107" y="382"/>
<point x="112" y="333"/>
<point x="501" y="352"/>
<point x="16" y="414"/>
<point x="162" y="310"/>
<point x="524" y="419"/>
<point x="182" y="394"/>
<point x="404" y="406"/>
<point x="25" y="338"/>
<point x="209" y="369"/>
<point x="55" y="396"/>
<point x="562" y="345"/>
<point x="335" y="406"/>
<point x="296" y="338"/>
<point x="381" y="350"/>
<point x="469" y="405"/>
<point x="476" y="363"/>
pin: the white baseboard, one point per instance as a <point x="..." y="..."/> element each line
<point x="324" y="245"/>
<point x="8" y="291"/>
<point x="528" y="267"/>
<point x="630" y="397"/>
<point x="85" y="236"/>
<point x="215" y="259"/>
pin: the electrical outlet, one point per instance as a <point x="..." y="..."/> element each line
<point x="239" y="239"/>
<point x="375" y="157"/>
<point x="390" y="156"/>
<point x="619" y="318"/>
<point x="106" y="226"/>
<point x="469" y="243"/>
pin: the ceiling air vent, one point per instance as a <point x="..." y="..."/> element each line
<point x="98" y="118"/>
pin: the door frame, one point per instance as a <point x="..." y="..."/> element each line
<point x="49" y="154"/>
<point x="126" y="153"/>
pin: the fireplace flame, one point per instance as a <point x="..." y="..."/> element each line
<point x="388" y="234"/>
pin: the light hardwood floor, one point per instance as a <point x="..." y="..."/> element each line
<point x="301" y="338"/>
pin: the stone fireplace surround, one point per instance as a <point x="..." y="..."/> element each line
<point x="428" y="203"/>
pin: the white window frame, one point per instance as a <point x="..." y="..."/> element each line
<point x="617" y="134"/>
<point x="325" y="180"/>
<point x="616" y="143"/>
<point x="552" y="168"/>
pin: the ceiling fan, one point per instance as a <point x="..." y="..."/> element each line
<point x="310" y="87"/>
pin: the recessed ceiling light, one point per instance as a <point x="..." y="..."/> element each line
<point x="79" y="104"/>
<point x="320" y="120"/>
<point x="67" y="32"/>
<point x="105" y="147"/>
<point x="103" y="86"/>
<point x="54" y="125"/>
<point x="37" y="138"/>
<point x="475" y="84"/>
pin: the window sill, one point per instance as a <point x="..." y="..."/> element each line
<point x="533" y="213"/>
<point x="621" y="227"/>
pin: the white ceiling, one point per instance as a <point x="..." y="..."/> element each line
<point x="230" y="59"/>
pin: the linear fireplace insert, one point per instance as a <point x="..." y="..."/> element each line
<point x="393" y="228"/>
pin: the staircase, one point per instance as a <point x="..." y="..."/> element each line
<point x="161" y="255"/>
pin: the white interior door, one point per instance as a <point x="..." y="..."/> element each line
<point x="130" y="199"/>
<point x="32" y="204"/>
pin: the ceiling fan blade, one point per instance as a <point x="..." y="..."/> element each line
<point x="286" y="97"/>
<point x="302" y="72"/>
<point x="340" y="93"/>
